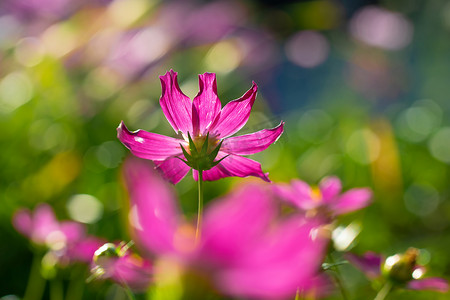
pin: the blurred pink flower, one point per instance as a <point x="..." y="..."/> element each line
<point x="208" y="125"/>
<point x="67" y="239"/>
<point x="246" y="250"/>
<point x="325" y="200"/>
<point x="400" y="268"/>
<point x="120" y="265"/>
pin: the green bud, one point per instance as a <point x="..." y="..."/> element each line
<point x="104" y="254"/>
<point x="400" y="267"/>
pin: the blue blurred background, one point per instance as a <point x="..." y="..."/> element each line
<point x="363" y="87"/>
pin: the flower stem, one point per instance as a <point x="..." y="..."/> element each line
<point x="36" y="283"/>
<point x="337" y="278"/>
<point x="200" y="206"/>
<point x="129" y="293"/>
<point x="385" y="290"/>
<point x="56" y="289"/>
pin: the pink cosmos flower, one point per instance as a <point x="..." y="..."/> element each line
<point x="246" y="249"/>
<point x="67" y="239"/>
<point x="122" y="266"/>
<point x="327" y="199"/>
<point x="400" y="269"/>
<point x="205" y="128"/>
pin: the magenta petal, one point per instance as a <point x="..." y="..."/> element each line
<point x="330" y="187"/>
<point x="234" y="115"/>
<point x="149" y="145"/>
<point x="206" y="105"/>
<point x="176" y="106"/>
<point x="213" y="174"/>
<point x="84" y="250"/>
<point x="352" y="200"/>
<point x="154" y="214"/>
<point x="297" y="193"/>
<point x="369" y="263"/>
<point x="231" y="225"/>
<point x="233" y="165"/>
<point x="252" y="143"/>
<point x="172" y="169"/>
<point x="286" y="259"/>
<point x="433" y="283"/>
<point x="22" y="222"/>
<point x="44" y="223"/>
<point x="73" y="231"/>
<point x="133" y="272"/>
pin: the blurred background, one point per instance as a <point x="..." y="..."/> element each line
<point x="363" y="87"/>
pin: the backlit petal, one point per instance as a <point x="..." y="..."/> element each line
<point x="154" y="214"/>
<point x="22" y="222"/>
<point x="433" y="283"/>
<point x="330" y="187"/>
<point x="206" y="105"/>
<point x="369" y="263"/>
<point x="298" y="193"/>
<point x="291" y="255"/>
<point x="177" y="107"/>
<point x="232" y="224"/>
<point x="149" y="145"/>
<point x="233" y="165"/>
<point x="352" y="200"/>
<point x="172" y="169"/>
<point x="235" y="114"/>
<point x="252" y="143"/>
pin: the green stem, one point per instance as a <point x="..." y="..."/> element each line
<point x="129" y="293"/>
<point x="198" y="232"/>
<point x="385" y="290"/>
<point x="337" y="277"/>
<point x="76" y="285"/>
<point x="36" y="283"/>
<point x="56" y="289"/>
<point x="297" y="294"/>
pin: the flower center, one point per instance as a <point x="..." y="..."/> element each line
<point x="201" y="151"/>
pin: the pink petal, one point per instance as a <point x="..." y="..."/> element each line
<point x="352" y="200"/>
<point x="22" y="222"/>
<point x="172" y="169"/>
<point x="233" y="165"/>
<point x="44" y="223"/>
<point x="434" y="283"/>
<point x="73" y="231"/>
<point x="133" y="272"/>
<point x="234" y="115"/>
<point x="176" y="106"/>
<point x="154" y="216"/>
<point x="282" y="261"/>
<point x="206" y="105"/>
<point x="84" y="250"/>
<point x="149" y="145"/>
<point x="298" y="193"/>
<point x="304" y="192"/>
<point x="330" y="187"/>
<point x="369" y="263"/>
<point x="233" y="223"/>
<point x="252" y="143"/>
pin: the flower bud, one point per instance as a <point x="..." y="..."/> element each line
<point x="400" y="267"/>
<point x="104" y="254"/>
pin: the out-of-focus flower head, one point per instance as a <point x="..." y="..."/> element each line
<point x="120" y="265"/>
<point x="66" y="240"/>
<point x="246" y="249"/>
<point x="400" y="269"/>
<point x="206" y="129"/>
<point x="326" y="200"/>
